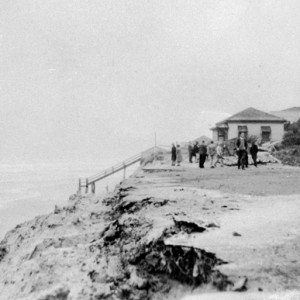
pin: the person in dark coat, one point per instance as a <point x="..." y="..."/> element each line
<point x="196" y="152"/>
<point x="202" y="154"/>
<point x="191" y="150"/>
<point x="173" y="155"/>
<point x="253" y="152"/>
<point x="241" y="147"/>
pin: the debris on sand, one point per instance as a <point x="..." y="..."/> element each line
<point x="3" y="252"/>
<point x="262" y="158"/>
<point x="150" y="267"/>
<point x="188" y="226"/>
<point x="240" y="285"/>
<point x="187" y="265"/>
<point x="236" y="234"/>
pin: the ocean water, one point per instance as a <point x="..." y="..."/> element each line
<point x="28" y="190"/>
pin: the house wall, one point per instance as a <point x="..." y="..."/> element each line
<point x="215" y="134"/>
<point x="277" y="129"/>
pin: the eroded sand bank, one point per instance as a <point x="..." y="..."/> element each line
<point x="167" y="233"/>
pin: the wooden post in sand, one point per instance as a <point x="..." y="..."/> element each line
<point x="93" y="187"/>
<point x="86" y="186"/>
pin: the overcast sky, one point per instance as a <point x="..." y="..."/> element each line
<point x="81" y="79"/>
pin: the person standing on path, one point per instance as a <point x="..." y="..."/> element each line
<point x="253" y="152"/>
<point x="196" y="152"/>
<point x="178" y="155"/>
<point x="219" y="151"/>
<point x="173" y="155"/>
<point x="191" y="150"/>
<point x="241" y="146"/>
<point x="202" y="154"/>
<point x="211" y="149"/>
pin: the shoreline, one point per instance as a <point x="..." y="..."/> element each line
<point x="41" y="200"/>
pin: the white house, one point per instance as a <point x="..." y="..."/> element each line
<point x="252" y="122"/>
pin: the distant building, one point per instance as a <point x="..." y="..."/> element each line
<point x="251" y="122"/>
<point x="202" y="138"/>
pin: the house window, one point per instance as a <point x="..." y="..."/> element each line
<point x="243" y="129"/>
<point x="265" y="133"/>
<point x="222" y="134"/>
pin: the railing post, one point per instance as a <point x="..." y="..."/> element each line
<point x="124" y="173"/>
<point x="93" y="187"/>
<point x="86" y="186"/>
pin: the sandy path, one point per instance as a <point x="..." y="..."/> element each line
<point x="265" y="216"/>
<point x="267" y="241"/>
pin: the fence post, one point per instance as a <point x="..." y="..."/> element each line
<point x="86" y="186"/>
<point x="93" y="187"/>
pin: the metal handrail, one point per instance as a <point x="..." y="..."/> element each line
<point x="114" y="169"/>
<point x="85" y="182"/>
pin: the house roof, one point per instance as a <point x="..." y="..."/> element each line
<point x="253" y="115"/>
<point x="202" y="138"/>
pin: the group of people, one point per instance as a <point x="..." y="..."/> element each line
<point x="176" y="155"/>
<point x="213" y="151"/>
<point x="242" y="152"/>
<point x="198" y="153"/>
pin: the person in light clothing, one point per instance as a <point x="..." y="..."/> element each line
<point x="178" y="155"/>
<point x="219" y="151"/>
<point x="211" y="149"/>
<point x="196" y="152"/>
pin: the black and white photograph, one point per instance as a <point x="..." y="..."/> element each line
<point x="150" y="150"/>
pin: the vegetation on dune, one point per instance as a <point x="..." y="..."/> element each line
<point x="289" y="154"/>
<point x="292" y="135"/>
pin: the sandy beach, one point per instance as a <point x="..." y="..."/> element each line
<point x="237" y="232"/>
